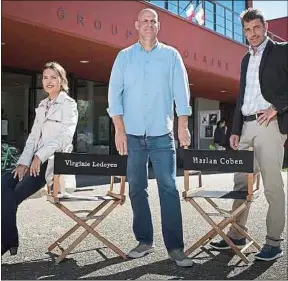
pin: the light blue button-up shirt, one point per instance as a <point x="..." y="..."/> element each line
<point x="144" y="86"/>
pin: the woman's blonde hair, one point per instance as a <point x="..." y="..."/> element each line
<point x="61" y="72"/>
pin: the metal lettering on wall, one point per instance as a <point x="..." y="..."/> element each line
<point x="115" y="30"/>
<point x="205" y="59"/>
<point x="62" y="14"/>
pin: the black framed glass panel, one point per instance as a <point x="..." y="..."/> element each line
<point x="229" y="24"/>
<point x="220" y="19"/>
<point x="239" y="6"/>
<point x="226" y="3"/>
<point x="94" y="126"/>
<point x="15" y="89"/>
<point x="237" y="30"/>
<point x="160" y="3"/>
<point x="173" y="6"/>
<point x="210" y="15"/>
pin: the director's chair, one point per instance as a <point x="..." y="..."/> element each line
<point x="87" y="164"/>
<point x="224" y="162"/>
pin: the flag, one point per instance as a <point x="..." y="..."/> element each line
<point x="190" y="12"/>
<point x="200" y="16"/>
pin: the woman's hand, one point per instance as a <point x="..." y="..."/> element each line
<point x="20" y="171"/>
<point x="35" y="167"/>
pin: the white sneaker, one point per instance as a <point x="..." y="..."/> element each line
<point x="140" y="251"/>
<point x="179" y="257"/>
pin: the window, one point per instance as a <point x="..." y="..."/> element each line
<point x="239" y="6"/>
<point x="220" y="19"/>
<point x="210" y="15"/>
<point x="159" y="3"/>
<point x="173" y="6"/>
<point x="238" y="35"/>
<point x="15" y="107"/>
<point x="183" y="6"/>
<point x="219" y="15"/>
<point x="93" y="129"/>
<point x="227" y="4"/>
<point x="229" y="24"/>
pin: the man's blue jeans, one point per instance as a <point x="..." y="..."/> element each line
<point x="161" y="151"/>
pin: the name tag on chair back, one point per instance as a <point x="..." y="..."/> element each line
<point x="219" y="161"/>
<point x="89" y="164"/>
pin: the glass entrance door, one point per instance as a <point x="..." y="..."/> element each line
<point x="15" y="107"/>
<point x="94" y="123"/>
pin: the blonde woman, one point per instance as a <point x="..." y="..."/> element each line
<point x="53" y="130"/>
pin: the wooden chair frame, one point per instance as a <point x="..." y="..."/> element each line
<point x="229" y="217"/>
<point x="110" y="201"/>
<point x="196" y="173"/>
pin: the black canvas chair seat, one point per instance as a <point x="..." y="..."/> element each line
<point x="220" y="194"/>
<point x="224" y="162"/>
<point x="87" y="164"/>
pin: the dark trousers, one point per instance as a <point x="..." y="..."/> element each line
<point x="13" y="193"/>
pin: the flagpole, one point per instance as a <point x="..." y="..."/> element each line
<point x="203" y="5"/>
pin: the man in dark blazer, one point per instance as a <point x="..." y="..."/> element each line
<point x="261" y="121"/>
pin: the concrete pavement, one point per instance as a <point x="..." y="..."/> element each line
<point x="40" y="223"/>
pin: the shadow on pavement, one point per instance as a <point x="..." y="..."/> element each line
<point x="217" y="267"/>
<point x="46" y="269"/>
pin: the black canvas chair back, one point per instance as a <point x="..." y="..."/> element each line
<point x="87" y="164"/>
<point x="222" y="162"/>
<point x="219" y="160"/>
<point x="240" y="161"/>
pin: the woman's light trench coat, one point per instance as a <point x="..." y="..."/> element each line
<point x="57" y="129"/>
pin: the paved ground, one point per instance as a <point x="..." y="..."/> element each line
<point x="40" y="223"/>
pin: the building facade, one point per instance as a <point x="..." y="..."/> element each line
<point x="279" y="27"/>
<point x="85" y="37"/>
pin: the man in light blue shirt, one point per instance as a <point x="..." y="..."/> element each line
<point x="146" y="79"/>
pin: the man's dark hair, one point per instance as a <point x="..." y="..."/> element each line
<point x="220" y="122"/>
<point x="252" y="14"/>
